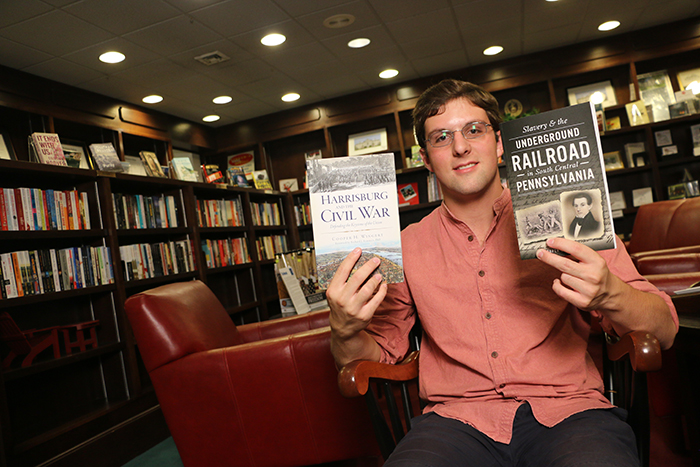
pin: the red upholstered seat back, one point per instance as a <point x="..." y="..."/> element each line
<point x="666" y="224"/>
<point x="179" y="319"/>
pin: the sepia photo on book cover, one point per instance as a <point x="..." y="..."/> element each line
<point x="556" y="175"/>
<point x="354" y="204"/>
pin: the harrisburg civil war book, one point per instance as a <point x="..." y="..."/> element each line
<point x="354" y="204"/>
<point x="556" y="175"/>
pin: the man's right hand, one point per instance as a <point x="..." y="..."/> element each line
<point x="353" y="301"/>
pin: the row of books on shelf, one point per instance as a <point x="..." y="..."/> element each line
<point x="434" y="189"/>
<point x="302" y="213"/>
<point x="270" y="245"/>
<point x="34" y="272"/>
<point x="148" y="260"/>
<point x="144" y="212"/>
<point x="37" y="209"/>
<point x="225" y="252"/>
<point x="266" y="213"/>
<point x="220" y="212"/>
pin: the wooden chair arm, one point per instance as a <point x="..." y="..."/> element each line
<point x="643" y="349"/>
<point x="353" y="379"/>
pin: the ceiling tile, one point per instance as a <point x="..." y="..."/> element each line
<point x="197" y="89"/>
<point x="434" y="23"/>
<point x="305" y="7"/>
<point x="241" y="73"/>
<point x="157" y="73"/>
<point x="122" y="16"/>
<point x="173" y="36"/>
<point x="19" y="56"/>
<point x="236" y="17"/>
<point x="433" y="45"/>
<point x="393" y="10"/>
<point x="441" y="63"/>
<point x="189" y="5"/>
<point x="300" y="57"/>
<point x="62" y="71"/>
<point x="117" y="88"/>
<point x="41" y="32"/>
<point x="15" y="12"/>
<point x="225" y="46"/>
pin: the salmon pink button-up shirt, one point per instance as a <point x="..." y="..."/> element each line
<point x="494" y="333"/>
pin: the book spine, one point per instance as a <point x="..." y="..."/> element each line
<point x="3" y="211"/>
<point x="12" y="222"/>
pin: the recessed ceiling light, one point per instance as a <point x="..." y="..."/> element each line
<point x="390" y="73"/>
<point x="211" y="118"/>
<point x="291" y="97"/>
<point x="152" y="99"/>
<point x="608" y="25"/>
<point x="493" y="50"/>
<point x="358" y="43"/>
<point x="222" y="100"/>
<point x="112" y="57"/>
<point x="272" y="40"/>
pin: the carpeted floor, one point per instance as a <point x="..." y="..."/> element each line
<point x="163" y="454"/>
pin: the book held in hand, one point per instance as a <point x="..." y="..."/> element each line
<point x="47" y="148"/>
<point x="556" y="174"/>
<point x="354" y="204"/>
<point x="105" y="157"/>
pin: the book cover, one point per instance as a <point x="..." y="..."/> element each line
<point x="408" y="194"/>
<point x="182" y="166"/>
<point x="556" y="175"/>
<point x="105" y="157"/>
<point x="48" y="149"/>
<point x="212" y="174"/>
<point x="236" y="177"/>
<point x="150" y="161"/>
<point x="261" y="180"/>
<point x="354" y="204"/>
<point x="244" y="161"/>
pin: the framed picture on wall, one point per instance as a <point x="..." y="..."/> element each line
<point x="367" y="142"/>
<point x="6" y="149"/>
<point x="582" y="94"/>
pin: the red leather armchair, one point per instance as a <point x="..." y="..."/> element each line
<point x="665" y="243"/>
<point x="259" y="395"/>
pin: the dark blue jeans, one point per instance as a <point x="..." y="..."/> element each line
<point x="592" y="438"/>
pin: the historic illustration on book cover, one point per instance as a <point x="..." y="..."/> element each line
<point x="354" y="204"/>
<point x="556" y="175"/>
<point x="47" y="147"/>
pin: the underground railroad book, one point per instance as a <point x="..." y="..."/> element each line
<point x="556" y="175"/>
<point x="354" y="204"/>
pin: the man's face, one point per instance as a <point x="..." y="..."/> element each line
<point x="465" y="168"/>
<point x="581" y="207"/>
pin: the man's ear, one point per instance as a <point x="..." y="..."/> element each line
<point x="499" y="145"/>
<point x="426" y="159"/>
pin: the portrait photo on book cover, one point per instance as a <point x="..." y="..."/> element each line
<point x="582" y="214"/>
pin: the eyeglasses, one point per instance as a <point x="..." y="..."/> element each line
<point x="471" y="130"/>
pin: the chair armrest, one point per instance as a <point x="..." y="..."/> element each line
<point x="643" y="349"/>
<point x="283" y="326"/>
<point x="669" y="263"/>
<point x="669" y="283"/>
<point x="666" y="251"/>
<point x="353" y="379"/>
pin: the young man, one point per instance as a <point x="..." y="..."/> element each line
<point x="503" y="364"/>
<point x="584" y="224"/>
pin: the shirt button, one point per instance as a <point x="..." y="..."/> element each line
<point x="482" y="273"/>
<point x="470" y="238"/>
<point x="488" y="315"/>
<point x="494" y="354"/>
